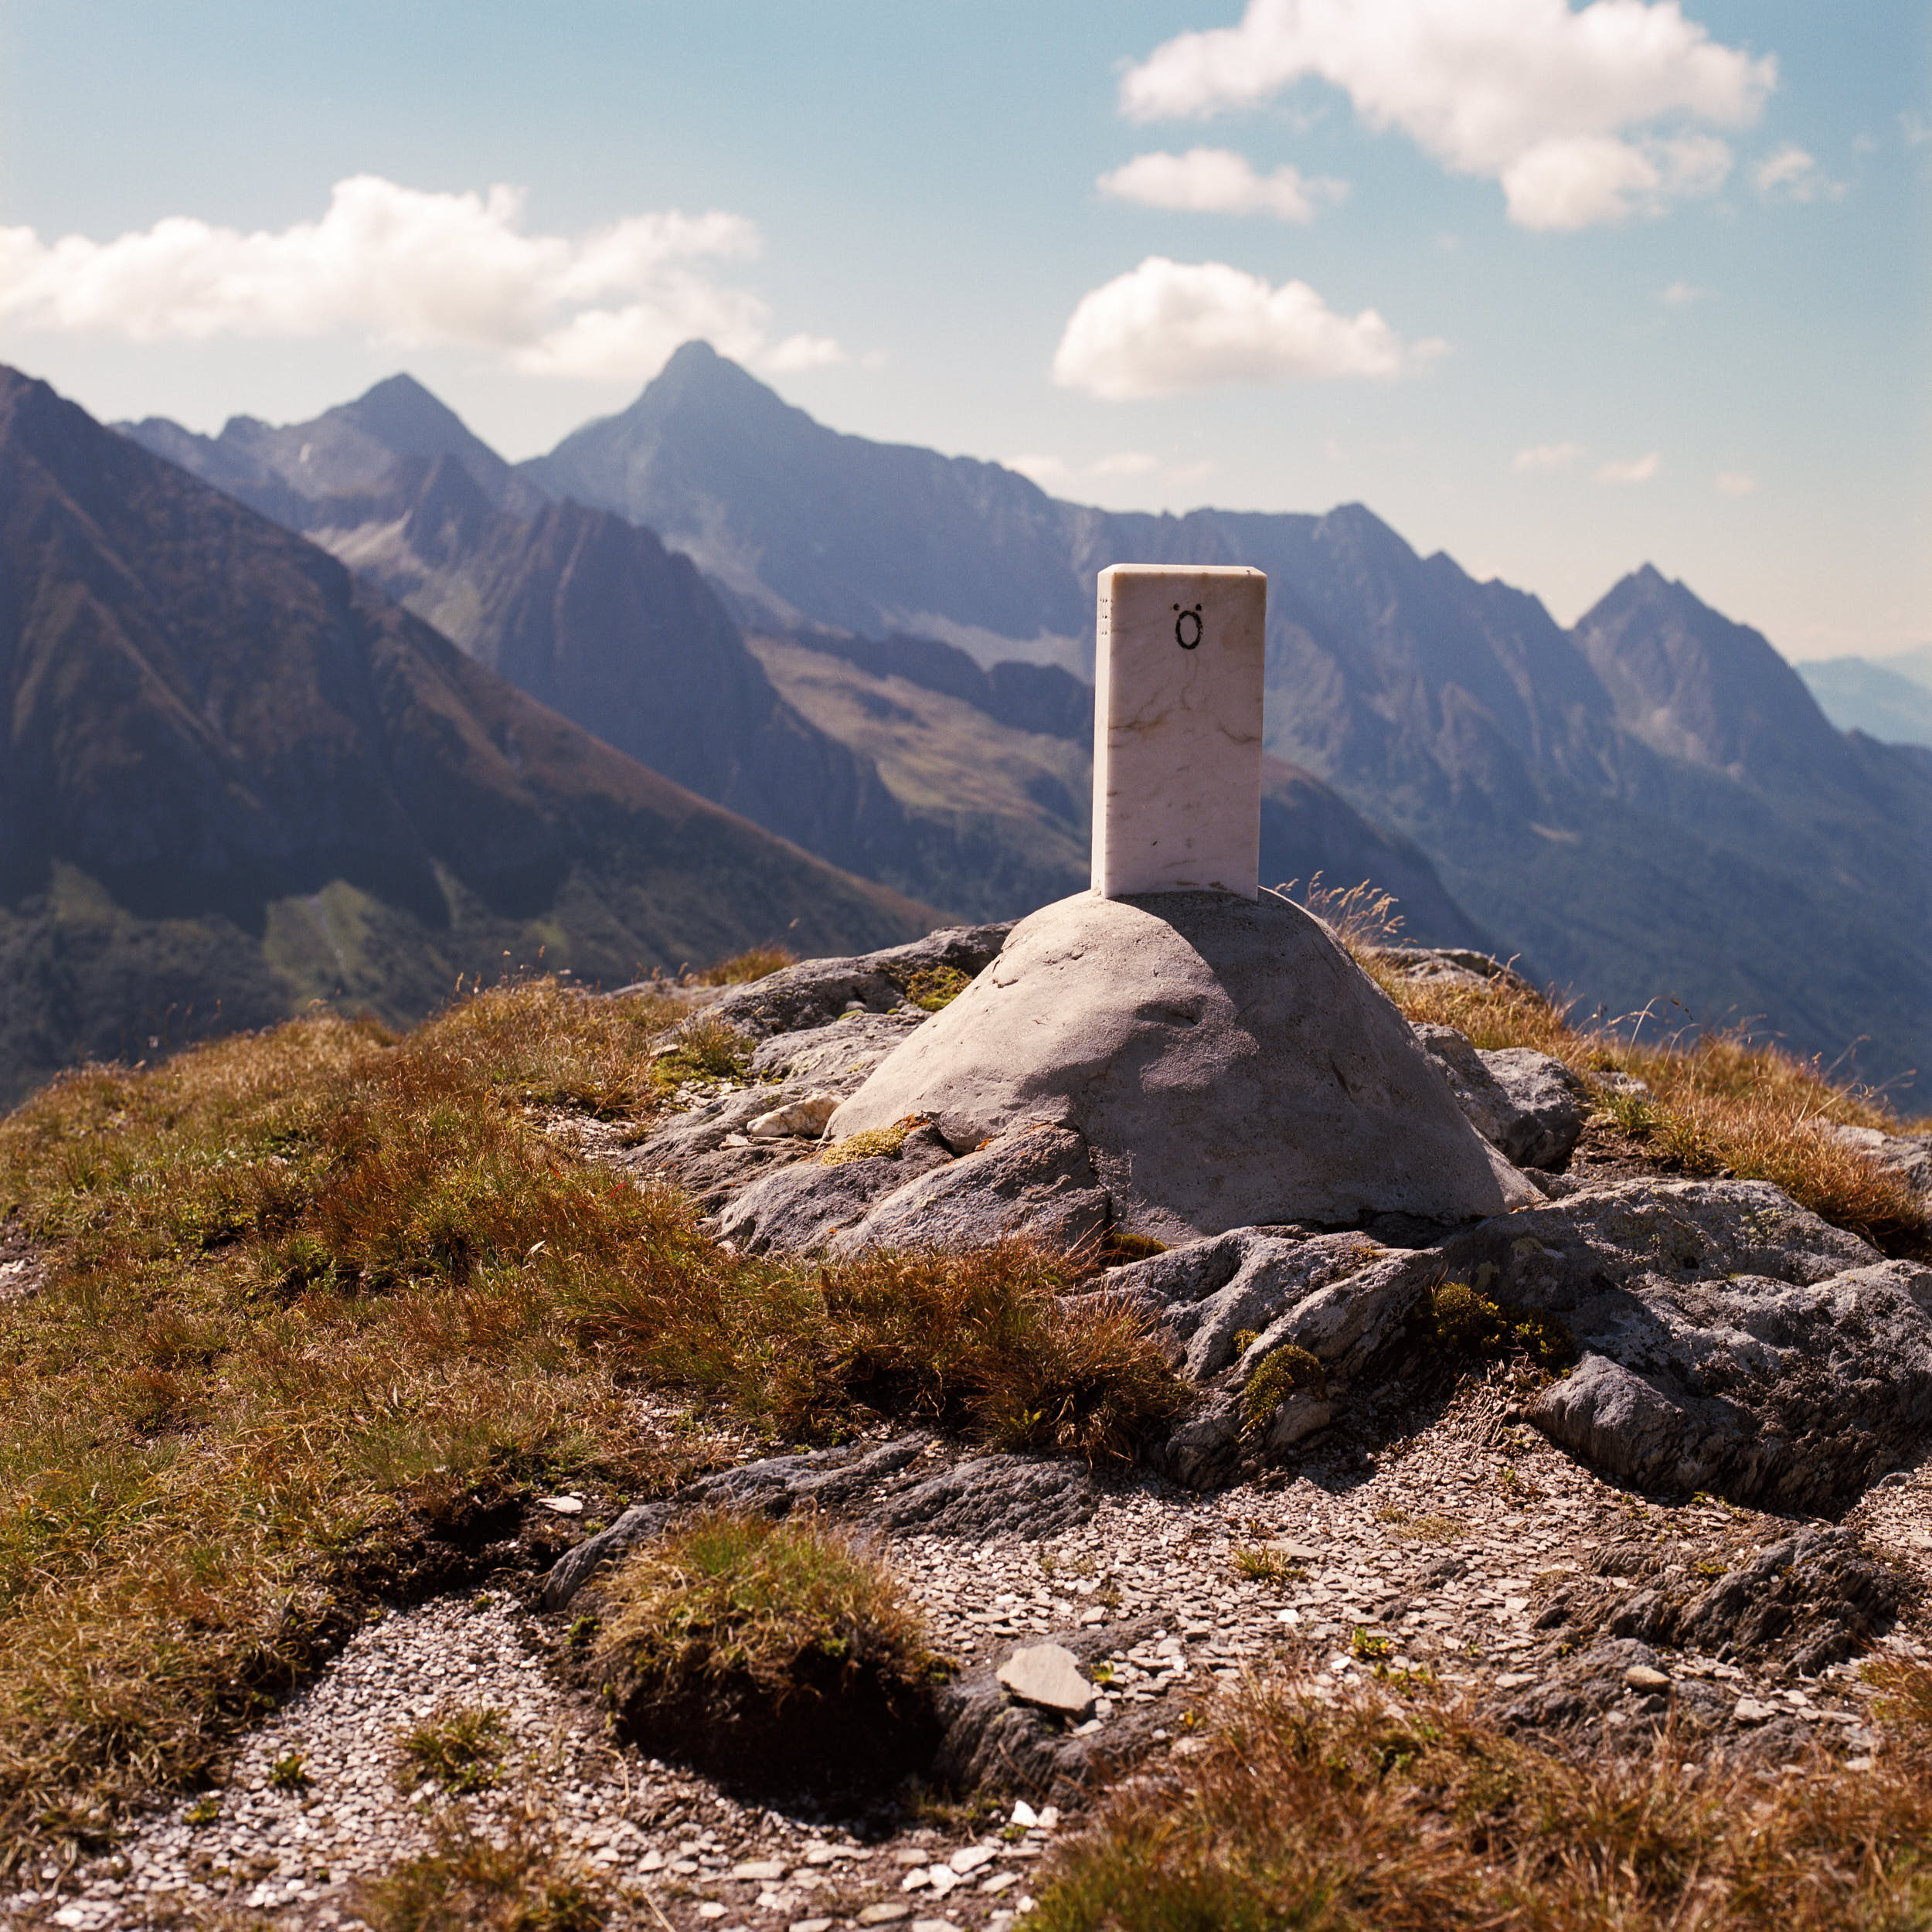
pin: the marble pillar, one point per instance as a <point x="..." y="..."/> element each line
<point x="1177" y="731"/>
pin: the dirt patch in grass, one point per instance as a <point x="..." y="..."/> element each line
<point x="771" y="1655"/>
<point x="1375" y="1814"/>
<point x="321" y="1310"/>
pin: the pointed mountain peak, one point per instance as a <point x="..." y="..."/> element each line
<point x="405" y="417"/>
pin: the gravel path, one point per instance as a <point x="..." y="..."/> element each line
<point x="1443" y="1545"/>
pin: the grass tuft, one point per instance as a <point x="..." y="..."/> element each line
<point x="762" y="1648"/>
<point x="470" y="1882"/>
<point x="1371" y="1816"/>
<point x="754" y="963"/>
<point x="1275" y="1379"/>
<point x="705" y="1049"/>
<point x="1458" y="1320"/>
<point x="460" y="1749"/>
<point x="933" y="988"/>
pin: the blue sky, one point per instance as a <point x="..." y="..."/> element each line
<point x="1559" y="290"/>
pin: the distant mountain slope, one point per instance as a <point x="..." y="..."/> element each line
<point x="989" y="754"/>
<point x="235" y="779"/>
<point x="1884" y="700"/>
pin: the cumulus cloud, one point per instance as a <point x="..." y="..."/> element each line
<point x="1167" y="325"/>
<point x="1636" y="469"/>
<point x="1213" y="181"/>
<point x="1055" y="472"/>
<point x="1545" y="459"/>
<point x="1734" y="483"/>
<point x="1682" y="294"/>
<point x="1792" y="174"/>
<point x="1560" y="108"/>
<point x="410" y="268"/>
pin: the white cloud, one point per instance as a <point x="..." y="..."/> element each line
<point x="1639" y="469"/>
<point x="403" y="267"/>
<point x="1915" y="131"/>
<point x="1055" y="472"/>
<point x="1171" y="325"/>
<point x="1734" y="483"/>
<point x="1545" y="459"/>
<point x="1792" y="174"/>
<point x="1682" y="294"/>
<point x="1524" y="92"/>
<point x="1215" y="181"/>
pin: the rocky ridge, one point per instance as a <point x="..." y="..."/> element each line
<point x="1590" y="1563"/>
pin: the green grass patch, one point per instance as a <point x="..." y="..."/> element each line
<point x="1457" y="1320"/>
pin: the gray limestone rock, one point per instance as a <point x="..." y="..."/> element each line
<point x="1551" y="1104"/>
<point x="990" y="1496"/>
<point x="1227" y="1064"/>
<point x="1202" y="1295"/>
<point x="707" y="1150"/>
<point x="1528" y="1106"/>
<point x="814" y="992"/>
<point x="836" y="1058"/>
<point x="990" y="1742"/>
<point x="1729" y="1340"/>
<point x="798" y="1209"/>
<point x="1448" y="966"/>
<point x="1038" y="1184"/>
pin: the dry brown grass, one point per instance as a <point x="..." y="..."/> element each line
<point x="1721" y="1104"/>
<point x="1371" y="1816"/>
<point x="317" y="1300"/>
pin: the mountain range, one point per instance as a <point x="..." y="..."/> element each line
<point x="1649" y="806"/>
<point x="238" y="777"/>
<point x="1888" y="698"/>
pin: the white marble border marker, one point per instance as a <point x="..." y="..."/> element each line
<point x="1177" y="730"/>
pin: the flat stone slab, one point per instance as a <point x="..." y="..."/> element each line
<point x="1226" y="1063"/>
<point x="1048" y="1674"/>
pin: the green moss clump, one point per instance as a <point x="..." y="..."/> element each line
<point x="873" y="1142"/>
<point x="1275" y="1379"/>
<point x="934" y="987"/>
<point x="1459" y="1320"/>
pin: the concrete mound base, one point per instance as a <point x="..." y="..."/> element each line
<point x="1226" y="1063"/>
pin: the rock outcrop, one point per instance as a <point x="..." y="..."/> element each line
<point x="1225" y="1063"/>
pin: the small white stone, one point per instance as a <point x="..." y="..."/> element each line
<point x="563" y="1505"/>
<point x="759" y="1868"/>
<point x="970" y="1857"/>
<point x="1048" y="1674"/>
<point x="806" y="1116"/>
<point x="1024" y="1814"/>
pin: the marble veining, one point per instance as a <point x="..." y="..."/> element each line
<point x="1177" y="730"/>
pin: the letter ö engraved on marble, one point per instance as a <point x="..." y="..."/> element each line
<point x="1181" y="624"/>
